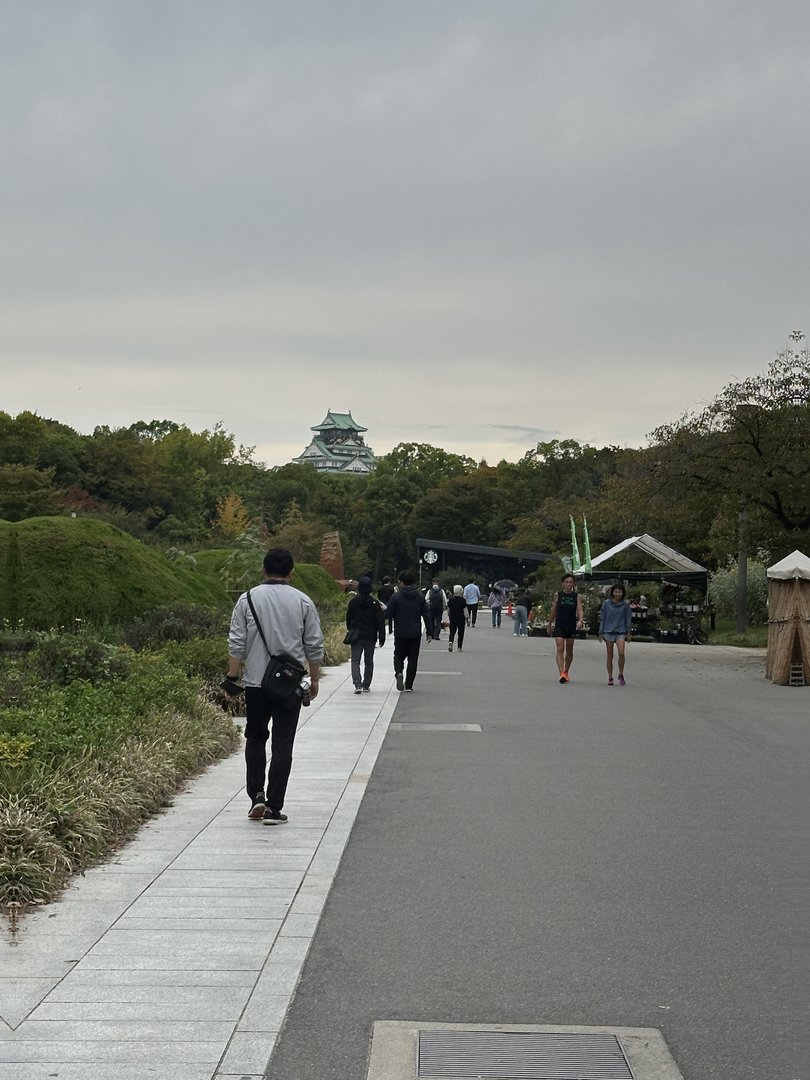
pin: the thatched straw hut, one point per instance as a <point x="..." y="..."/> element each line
<point x="788" y="658"/>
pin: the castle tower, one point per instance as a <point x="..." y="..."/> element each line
<point x="338" y="446"/>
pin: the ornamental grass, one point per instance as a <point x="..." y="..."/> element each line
<point x="83" y="766"/>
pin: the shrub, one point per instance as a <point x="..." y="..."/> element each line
<point x="64" y="658"/>
<point x="203" y="658"/>
<point x="723" y="591"/>
<point x="175" y="622"/>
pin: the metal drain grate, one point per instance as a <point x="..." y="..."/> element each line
<point x="521" y="1056"/>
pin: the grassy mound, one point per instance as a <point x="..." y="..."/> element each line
<point x="317" y="583"/>
<point x="55" y="570"/>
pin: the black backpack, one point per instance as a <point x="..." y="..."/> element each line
<point x="436" y="599"/>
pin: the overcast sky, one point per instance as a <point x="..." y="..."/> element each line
<point x="476" y="225"/>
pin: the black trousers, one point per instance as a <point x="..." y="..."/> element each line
<point x="436" y="623"/>
<point x="457" y="627"/>
<point x="261" y="712"/>
<point x="406" y="650"/>
<point x="363" y="650"/>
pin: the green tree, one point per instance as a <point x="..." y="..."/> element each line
<point x="26" y="492"/>
<point x="751" y="442"/>
<point x="301" y="535"/>
<point x="461" y="510"/>
<point x="425" y="465"/>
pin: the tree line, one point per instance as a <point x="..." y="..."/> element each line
<point x="744" y="457"/>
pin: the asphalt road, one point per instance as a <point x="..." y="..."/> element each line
<point x="595" y="855"/>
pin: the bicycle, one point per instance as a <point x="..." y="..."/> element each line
<point x="695" y="634"/>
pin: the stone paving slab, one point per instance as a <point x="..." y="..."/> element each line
<point x="178" y="960"/>
<point x="88" y="1071"/>
<point x="162" y="1055"/>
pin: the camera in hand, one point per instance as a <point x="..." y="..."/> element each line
<point x="231" y="687"/>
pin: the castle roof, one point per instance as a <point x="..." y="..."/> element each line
<point x="341" y="421"/>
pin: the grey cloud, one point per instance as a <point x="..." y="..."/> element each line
<point x="486" y="205"/>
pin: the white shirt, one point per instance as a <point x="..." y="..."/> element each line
<point x="472" y="594"/>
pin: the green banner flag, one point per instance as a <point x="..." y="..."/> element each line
<point x="587" y="545"/>
<point x="574" y="546"/>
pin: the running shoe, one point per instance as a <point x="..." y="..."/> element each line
<point x="610" y="681"/>
<point x="621" y="681"/>
<point x="256" y="812"/>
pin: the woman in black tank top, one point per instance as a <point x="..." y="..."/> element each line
<point x="565" y="619"/>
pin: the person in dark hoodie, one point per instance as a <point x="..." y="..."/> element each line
<point x="408" y="610"/>
<point x="365" y="615"/>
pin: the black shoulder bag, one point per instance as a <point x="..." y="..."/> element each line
<point x="283" y="674"/>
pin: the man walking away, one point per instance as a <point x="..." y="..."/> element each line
<point x="472" y="594"/>
<point x="365" y="616"/>
<point x="291" y="627"/>
<point x="457" y="616"/>
<point x="437" y="602"/>
<point x="408" y="610"/>
<point x="384" y="594"/>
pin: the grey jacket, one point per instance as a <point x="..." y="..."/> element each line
<point x="290" y="623"/>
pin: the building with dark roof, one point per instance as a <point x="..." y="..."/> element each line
<point x="338" y="446"/>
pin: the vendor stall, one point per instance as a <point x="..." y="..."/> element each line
<point x="684" y="585"/>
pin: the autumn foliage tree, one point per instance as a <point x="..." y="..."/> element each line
<point x="231" y="517"/>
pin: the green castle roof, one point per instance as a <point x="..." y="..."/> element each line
<point x="342" y="421"/>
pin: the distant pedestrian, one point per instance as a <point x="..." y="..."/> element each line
<point x="409" y="611"/>
<point x="384" y="594"/>
<point x="523" y="605"/>
<point x="565" y="619"/>
<point x="364" y="616"/>
<point x="495" y="601"/>
<point x="472" y="594"/>
<point x="437" y="603"/>
<point x="615" y="620"/>
<point x="272" y="619"/>
<point x="457" y="616"/>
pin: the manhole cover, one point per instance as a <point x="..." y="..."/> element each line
<point x="511" y="1055"/>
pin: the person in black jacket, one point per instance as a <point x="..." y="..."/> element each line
<point x="365" y="615"/>
<point x="457" y="614"/>
<point x="408" y="610"/>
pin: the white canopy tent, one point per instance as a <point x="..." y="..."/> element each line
<point x="680" y="570"/>
<point x="795" y="565"/>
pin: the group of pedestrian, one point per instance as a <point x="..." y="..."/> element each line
<point x="276" y="645"/>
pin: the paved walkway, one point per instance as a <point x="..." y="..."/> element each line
<point x="524" y="854"/>
<point x="177" y="961"/>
